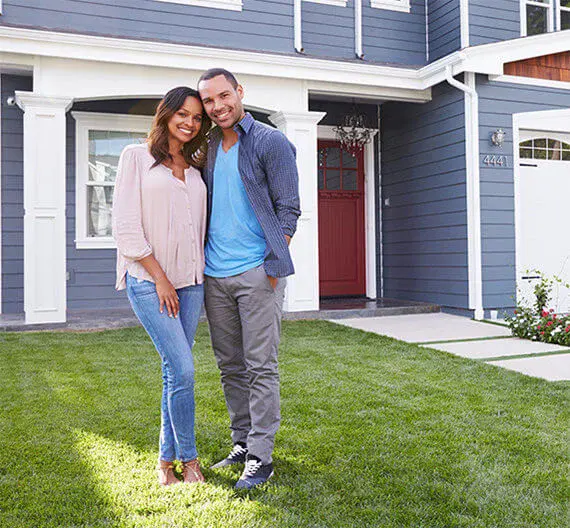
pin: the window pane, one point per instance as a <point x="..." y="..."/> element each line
<point x="105" y="147"/>
<point x="333" y="157"/>
<point x="536" y="20"/>
<point x="322" y="157"/>
<point x="349" y="161"/>
<point x="565" y="3"/>
<point x="321" y="179"/>
<point x="349" y="180"/>
<point x="333" y="180"/>
<point x="526" y="143"/>
<point x="539" y="143"/>
<point x="566" y="146"/>
<point x="526" y="153"/>
<point x="565" y="19"/>
<point x="566" y="155"/>
<point x="99" y="206"/>
<point x="540" y="154"/>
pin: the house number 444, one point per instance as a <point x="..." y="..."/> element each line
<point x="495" y="161"/>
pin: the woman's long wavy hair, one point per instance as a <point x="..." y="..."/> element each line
<point x="195" y="150"/>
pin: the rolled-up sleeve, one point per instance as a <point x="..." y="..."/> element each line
<point x="283" y="180"/>
<point x="127" y="209"/>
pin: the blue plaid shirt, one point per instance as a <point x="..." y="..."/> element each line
<point x="268" y="170"/>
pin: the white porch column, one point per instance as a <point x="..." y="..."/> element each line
<point x="303" y="288"/>
<point x="44" y="207"/>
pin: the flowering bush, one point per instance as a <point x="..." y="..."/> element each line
<point x="539" y="323"/>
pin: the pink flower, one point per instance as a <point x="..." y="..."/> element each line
<point x="549" y="323"/>
<point x="568" y="329"/>
<point x="541" y="333"/>
<point x="551" y="310"/>
<point x="539" y="327"/>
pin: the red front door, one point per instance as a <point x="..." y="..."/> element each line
<point x="341" y="222"/>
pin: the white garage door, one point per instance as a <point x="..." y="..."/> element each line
<point x="543" y="213"/>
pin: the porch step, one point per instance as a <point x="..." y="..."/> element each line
<point x="349" y="308"/>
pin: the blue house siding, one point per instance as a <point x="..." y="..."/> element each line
<point x="493" y="21"/>
<point x="497" y="104"/>
<point x="394" y="36"/>
<point x="424" y="227"/>
<point x="444" y="28"/>
<point x="12" y="196"/>
<point x="263" y="25"/>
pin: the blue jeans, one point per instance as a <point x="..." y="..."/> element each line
<point x="173" y="339"/>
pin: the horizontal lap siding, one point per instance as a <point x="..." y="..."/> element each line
<point x="265" y="25"/>
<point x="424" y="229"/>
<point x="497" y="104"/>
<point x="91" y="283"/>
<point x="13" y="196"/>
<point x="493" y="21"/>
<point x="393" y="36"/>
<point x="444" y="28"/>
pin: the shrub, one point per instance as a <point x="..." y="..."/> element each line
<point x="538" y="322"/>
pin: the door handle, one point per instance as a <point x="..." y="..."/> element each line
<point x="529" y="277"/>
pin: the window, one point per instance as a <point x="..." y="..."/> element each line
<point x="537" y="17"/>
<point x="564" y="14"/>
<point x="232" y="5"/>
<point x="395" y="5"/>
<point x="545" y="149"/>
<point x="100" y="139"/>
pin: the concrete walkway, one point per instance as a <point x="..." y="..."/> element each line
<point x="472" y="339"/>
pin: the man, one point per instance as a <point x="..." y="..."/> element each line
<point x="253" y="206"/>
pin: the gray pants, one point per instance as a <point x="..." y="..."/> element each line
<point x="244" y="314"/>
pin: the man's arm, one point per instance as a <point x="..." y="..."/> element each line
<point x="283" y="181"/>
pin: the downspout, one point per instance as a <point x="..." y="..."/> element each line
<point x="358" y="29"/>
<point x="298" y="26"/>
<point x="473" y="189"/>
<point x="427" y="31"/>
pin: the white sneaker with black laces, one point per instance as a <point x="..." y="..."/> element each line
<point x="237" y="456"/>
<point x="255" y="473"/>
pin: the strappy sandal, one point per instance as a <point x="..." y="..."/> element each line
<point x="166" y="475"/>
<point x="191" y="472"/>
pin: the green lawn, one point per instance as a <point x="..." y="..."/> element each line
<point x="375" y="432"/>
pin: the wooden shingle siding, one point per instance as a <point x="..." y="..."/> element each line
<point x="444" y="28"/>
<point x="12" y="196"/>
<point x="552" y="67"/>
<point x="493" y="21"/>
<point x="424" y="228"/>
<point x="497" y="104"/>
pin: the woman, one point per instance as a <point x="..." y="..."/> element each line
<point x="159" y="223"/>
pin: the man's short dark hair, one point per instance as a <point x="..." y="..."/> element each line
<point x="215" y="72"/>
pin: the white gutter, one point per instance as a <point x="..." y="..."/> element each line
<point x="464" y="22"/>
<point x="298" y="27"/>
<point x="358" y="28"/>
<point x="473" y="189"/>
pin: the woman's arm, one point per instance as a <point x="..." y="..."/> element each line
<point x="128" y="229"/>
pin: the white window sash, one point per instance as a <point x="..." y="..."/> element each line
<point x="394" y="5"/>
<point x="559" y="15"/>
<point x="232" y="5"/>
<point x="338" y="3"/>
<point x="546" y="5"/>
<point x="84" y="122"/>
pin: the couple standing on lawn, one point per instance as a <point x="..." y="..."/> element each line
<point x="219" y="235"/>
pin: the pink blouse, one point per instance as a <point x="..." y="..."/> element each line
<point x="156" y="213"/>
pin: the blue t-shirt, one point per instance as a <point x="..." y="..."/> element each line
<point x="236" y="241"/>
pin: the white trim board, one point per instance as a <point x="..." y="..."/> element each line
<point x="530" y="81"/>
<point x="370" y="240"/>
<point x="1" y="114"/>
<point x="487" y="58"/>
<point x="84" y="122"/>
<point x="232" y="5"/>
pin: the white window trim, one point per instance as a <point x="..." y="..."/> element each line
<point x="84" y="122"/>
<point x="232" y="5"/>
<point x="394" y="5"/>
<point x="549" y="6"/>
<point x="338" y="3"/>
<point x="559" y="10"/>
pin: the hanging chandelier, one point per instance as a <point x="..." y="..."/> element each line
<point x="353" y="133"/>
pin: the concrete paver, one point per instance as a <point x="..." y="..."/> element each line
<point x="551" y="368"/>
<point x="421" y="328"/>
<point x="496" y="348"/>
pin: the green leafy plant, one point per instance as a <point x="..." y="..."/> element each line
<point x="538" y="322"/>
